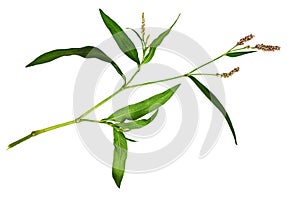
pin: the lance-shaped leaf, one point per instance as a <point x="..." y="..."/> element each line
<point x="123" y="41"/>
<point x="216" y="102"/>
<point x="236" y="54"/>
<point x="137" y="124"/>
<point x="120" y="156"/>
<point x="85" y="52"/>
<point x="138" y="110"/>
<point x="156" y="42"/>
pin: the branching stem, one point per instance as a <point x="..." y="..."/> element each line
<point x="125" y="86"/>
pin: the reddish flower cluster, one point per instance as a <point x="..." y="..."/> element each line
<point x="245" y="39"/>
<point x="226" y="75"/>
<point x="143" y="25"/>
<point x="267" y="47"/>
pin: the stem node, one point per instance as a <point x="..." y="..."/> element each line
<point x="77" y="120"/>
<point x="34" y="133"/>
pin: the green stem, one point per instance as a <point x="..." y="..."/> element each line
<point x="77" y="120"/>
<point x="37" y="132"/>
<point x="19" y="141"/>
<point x="201" y="66"/>
<point x="98" y="105"/>
<point x="152" y="82"/>
<point x="89" y="120"/>
<point x="179" y="76"/>
<point x="238" y="49"/>
<point x="133" y="76"/>
<point x="204" y="74"/>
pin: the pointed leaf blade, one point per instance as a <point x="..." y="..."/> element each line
<point x="156" y="42"/>
<point x="120" y="156"/>
<point x="122" y="40"/>
<point x="216" y="102"/>
<point x="85" y="52"/>
<point x="138" y="110"/>
<point x="137" y="124"/>
<point x="240" y="53"/>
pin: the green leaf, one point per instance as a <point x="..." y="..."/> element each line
<point x="137" y="124"/>
<point x="120" y="156"/>
<point x="138" y="110"/>
<point x="156" y="42"/>
<point x="85" y="52"/>
<point x="236" y="54"/>
<point x="216" y="102"/>
<point x="130" y="140"/>
<point x="123" y="41"/>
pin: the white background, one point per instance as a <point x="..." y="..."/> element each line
<point x="262" y="99"/>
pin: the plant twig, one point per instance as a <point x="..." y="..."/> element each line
<point x="125" y="86"/>
<point x="37" y="132"/>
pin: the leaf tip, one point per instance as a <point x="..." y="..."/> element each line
<point x="175" y="21"/>
<point x="101" y="12"/>
<point x="117" y="179"/>
<point x="235" y="141"/>
<point x="118" y="184"/>
<point x="233" y="133"/>
<point x="176" y="87"/>
<point x="30" y="64"/>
